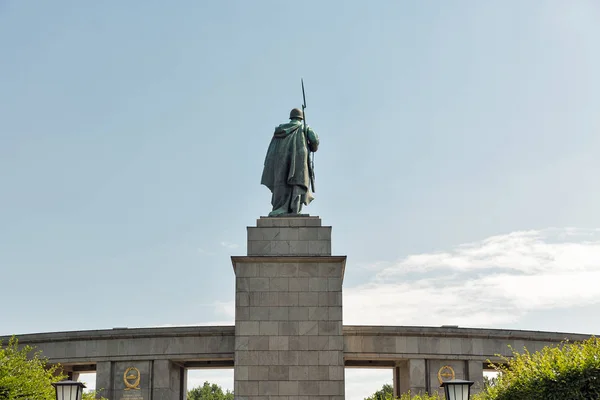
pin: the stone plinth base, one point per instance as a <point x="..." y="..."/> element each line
<point x="289" y="236"/>
<point x="288" y="313"/>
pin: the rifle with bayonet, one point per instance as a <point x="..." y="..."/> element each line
<point x="310" y="160"/>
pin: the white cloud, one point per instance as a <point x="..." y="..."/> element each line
<point x="230" y="246"/>
<point x="495" y="281"/>
<point x="89" y="380"/>
<point x="222" y="377"/>
<point x="225" y="309"/>
<point x="224" y="312"/>
<point x="363" y="382"/>
<point x="202" y="251"/>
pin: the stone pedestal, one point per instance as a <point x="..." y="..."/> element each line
<point x="288" y="313"/>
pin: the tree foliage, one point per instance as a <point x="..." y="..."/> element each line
<point x="387" y="393"/>
<point x="25" y="374"/>
<point x="423" y="396"/>
<point x="92" y="395"/>
<point x="570" y="371"/>
<point x="209" y="391"/>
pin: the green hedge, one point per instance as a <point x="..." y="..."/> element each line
<point x="570" y="371"/>
<point x="426" y="396"/>
<point x="387" y="393"/>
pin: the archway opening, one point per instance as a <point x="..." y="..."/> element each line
<point x="89" y="379"/>
<point x="361" y="383"/>
<point x="222" y="377"/>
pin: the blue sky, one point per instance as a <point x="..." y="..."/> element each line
<point x="457" y="137"/>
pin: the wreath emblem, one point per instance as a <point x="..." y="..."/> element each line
<point x="132" y="377"/>
<point x="445" y="372"/>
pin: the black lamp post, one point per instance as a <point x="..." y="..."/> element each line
<point x="68" y="390"/>
<point x="457" y="389"/>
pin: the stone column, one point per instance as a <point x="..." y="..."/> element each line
<point x="413" y="376"/>
<point x="104" y="378"/>
<point x="396" y="380"/>
<point x="168" y="379"/>
<point x="475" y="374"/>
<point x="288" y="328"/>
<point x="68" y="371"/>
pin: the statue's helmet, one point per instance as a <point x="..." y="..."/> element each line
<point x="296" y="113"/>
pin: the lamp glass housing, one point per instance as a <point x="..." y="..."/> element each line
<point x="457" y="389"/>
<point x="69" y="390"/>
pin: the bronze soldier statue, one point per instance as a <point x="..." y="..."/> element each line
<point x="287" y="171"/>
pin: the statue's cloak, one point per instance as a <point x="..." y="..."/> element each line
<point x="286" y="162"/>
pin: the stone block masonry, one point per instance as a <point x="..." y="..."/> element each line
<point x="279" y="236"/>
<point x="288" y="324"/>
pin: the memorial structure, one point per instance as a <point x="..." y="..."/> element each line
<point x="289" y="341"/>
<point x="288" y="312"/>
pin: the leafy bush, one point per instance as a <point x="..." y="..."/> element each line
<point x="93" y="395"/>
<point x="209" y="391"/>
<point x="570" y="371"/>
<point x="425" y="396"/>
<point x="24" y="375"/>
<point x="387" y="393"/>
